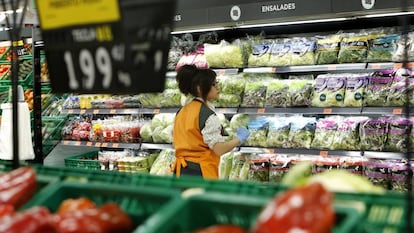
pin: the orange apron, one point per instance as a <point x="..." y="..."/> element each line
<point x="188" y="140"/>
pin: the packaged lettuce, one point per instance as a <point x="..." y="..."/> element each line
<point x="238" y="120"/>
<point x="404" y="46"/>
<point x="213" y="54"/>
<point x="320" y="91"/>
<point x="325" y="131"/>
<point x="301" y="132"/>
<point x="277" y="94"/>
<point x="163" y="162"/>
<point x="300" y="92"/>
<point x="399" y="171"/>
<point x="397" y="91"/>
<point x="372" y="134"/>
<point x="354" y="165"/>
<point x="302" y="51"/>
<point x="278" y="166"/>
<point x="381" y="48"/>
<point x="353" y="49"/>
<point x="322" y="164"/>
<point x="280" y="54"/>
<point x="146" y="132"/>
<point x="232" y="84"/>
<point x="397" y="132"/>
<point x="236" y="167"/>
<point x="355" y="89"/>
<point x="150" y="100"/>
<point x="171" y="83"/>
<point x="258" y="128"/>
<point x="327" y="49"/>
<point x="228" y="101"/>
<point x="347" y="134"/>
<point x="278" y="134"/>
<point x="260" y="54"/>
<point x="225" y="165"/>
<point x="234" y="54"/>
<point x="254" y="93"/>
<point x="335" y="93"/>
<point x="170" y="98"/>
<point x="378" y="88"/>
<point x="377" y="171"/>
<point x="258" y="169"/>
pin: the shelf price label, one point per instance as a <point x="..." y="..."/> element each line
<point x="107" y="46"/>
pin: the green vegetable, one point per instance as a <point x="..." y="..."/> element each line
<point x="277" y="94"/>
<point x="258" y="169"/>
<point x="280" y="54"/>
<point x="302" y="51"/>
<point x="355" y="89"/>
<point x="146" y="132"/>
<point x="353" y="49"/>
<point x="382" y="48"/>
<point x="327" y="49"/>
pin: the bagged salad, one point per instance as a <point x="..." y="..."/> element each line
<point x="258" y="168"/>
<point x="300" y="91"/>
<point x="301" y="131"/>
<point x="260" y="54"/>
<point x="356" y="85"/>
<point x="225" y="165"/>
<point x="278" y="166"/>
<point x="347" y="134"/>
<point x="278" y="133"/>
<point x="255" y="92"/>
<point x="163" y="163"/>
<point x="354" y="48"/>
<point x="381" y="48"/>
<point x="325" y="132"/>
<point x="372" y="134"/>
<point x="280" y="54"/>
<point x="328" y="49"/>
<point x="277" y="94"/>
<point x="397" y="140"/>
<point x="378" y="88"/>
<point x="302" y="51"/>
<point x="258" y="128"/>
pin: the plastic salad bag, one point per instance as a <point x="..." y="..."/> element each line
<point x="354" y="48"/>
<point x="255" y="92"/>
<point x="347" y="134"/>
<point x="328" y="49"/>
<point x="277" y="94"/>
<point x="301" y="131"/>
<point x="378" y="88"/>
<point x="355" y="89"/>
<point x="325" y="132"/>
<point x="163" y="163"/>
<point x="381" y="48"/>
<point x="300" y="91"/>
<point x="302" y="51"/>
<point x="258" y="168"/>
<point x="280" y="54"/>
<point x="278" y="134"/>
<point x="397" y="131"/>
<point x="258" y="132"/>
<point x="372" y="134"/>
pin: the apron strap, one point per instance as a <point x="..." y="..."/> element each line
<point x="179" y="161"/>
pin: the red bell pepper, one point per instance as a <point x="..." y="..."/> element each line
<point x="6" y="210"/>
<point x="33" y="220"/>
<point x="305" y="209"/>
<point x="17" y="186"/>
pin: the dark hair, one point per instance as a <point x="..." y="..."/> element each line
<point x="189" y="77"/>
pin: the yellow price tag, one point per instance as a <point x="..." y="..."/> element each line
<point x="18" y="43"/>
<point x="55" y="14"/>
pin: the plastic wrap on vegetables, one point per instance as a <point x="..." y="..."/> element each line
<point x="353" y="49"/>
<point x="355" y="89"/>
<point x="225" y="166"/>
<point x="300" y="92"/>
<point x="335" y="90"/>
<point x="224" y="54"/>
<point x="404" y="46"/>
<point x="163" y="162"/>
<point x="322" y="164"/>
<point x="277" y="94"/>
<point x="280" y="54"/>
<point x="303" y="51"/>
<point x="355" y="165"/>
<point x="399" y="173"/>
<point x="320" y="91"/>
<point x="151" y="99"/>
<point x="397" y="132"/>
<point x="382" y="48"/>
<point x="171" y="83"/>
<point x="258" y="168"/>
<point x="228" y="101"/>
<point x="325" y="132"/>
<point x="170" y="98"/>
<point x="254" y="93"/>
<point x="372" y="134"/>
<point x="411" y="135"/>
<point x="347" y="134"/>
<point x="278" y="134"/>
<point x="377" y="171"/>
<point x="301" y="132"/>
<point x="239" y="170"/>
<point x="278" y="167"/>
<point x="327" y="49"/>
<point x="397" y="91"/>
<point x="239" y="120"/>
<point x="174" y="53"/>
<point x="378" y="88"/>
<point x="260" y="54"/>
<point x="232" y="84"/>
<point x="258" y="132"/>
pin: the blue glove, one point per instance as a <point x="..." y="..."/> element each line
<point x="242" y="134"/>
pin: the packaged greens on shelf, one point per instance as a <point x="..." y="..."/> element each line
<point x="355" y="91"/>
<point x="240" y="167"/>
<point x="278" y="133"/>
<point x="372" y="134"/>
<point x="255" y="92"/>
<point x="399" y="88"/>
<point x="174" y="53"/>
<point x="301" y="131"/>
<point x="300" y="92"/>
<point x="280" y="54"/>
<point x="239" y="120"/>
<point x="278" y="167"/>
<point x="404" y="46"/>
<point x="163" y="162"/>
<point x="378" y="88"/>
<point x="225" y="54"/>
<point x="302" y="51"/>
<point x="258" y="128"/>
<point x="397" y="132"/>
<point x="329" y="90"/>
<point x="377" y="171"/>
<point x="228" y="101"/>
<point x="399" y="172"/>
<point x="320" y="91"/>
<point x="146" y="131"/>
<point x="325" y="131"/>
<point x="354" y="48"/>
<point x="382" y="47"/>
<point x="277" y="94"/>
<point x="258" y="168"/>
<point x="231" y="84"/>
<point x="347" y="134"/>
<point x="225" y="165"/>
<point x="260" y="54"/>
<point x="327" y="49"/>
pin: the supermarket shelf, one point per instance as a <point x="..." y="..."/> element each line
<point x="230" y="71"/>
<point x="101" y="144"/>
<point x="152" y="146"/>
<point x="307" y="68"/>
<point x="328" y="111"/>
<point x="137" y="111"/>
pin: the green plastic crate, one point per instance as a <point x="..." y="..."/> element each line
<point x="138" y="202"/>
<point x="87" y="160"/>
<point x="212" y="208"/>
<point x="380" y="213"/>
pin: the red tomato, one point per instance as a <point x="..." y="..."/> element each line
<point x="222" y="228"/>
<point x="71" y="205"/>
<point x="305" y="209"/>
<point x="6" y="209"/>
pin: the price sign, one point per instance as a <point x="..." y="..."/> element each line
<point x="107" y="46"/>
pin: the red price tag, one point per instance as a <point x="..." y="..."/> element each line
<point x="127" y="111"/>
<point x="270" y="151"/>
<point x="112" y="111"/>
<point x="65" y="142"/>
<point x="82" y="111"/>
<point x="89" y="144"/>
<point x="115" y="145"/>
<point x="70" y="111"/>
<point x="261" y="110"/>
<point x="156" y="111"/>
<point x="77" y="143"/>
<point x="96" y="111"/>
<point x="222" y="72"/>
<point x="98" y="144"/>
<point x="104" y="144"/>
<point x="273" y="69"/>
<point x="398" y="65"/>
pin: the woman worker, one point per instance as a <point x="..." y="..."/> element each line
<point x="197" y="133"/>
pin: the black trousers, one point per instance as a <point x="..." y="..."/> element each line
<point x="192" y="169"/>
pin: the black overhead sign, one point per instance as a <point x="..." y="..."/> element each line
<point x="368" y="5"/>
<point x="107" y="46"/>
